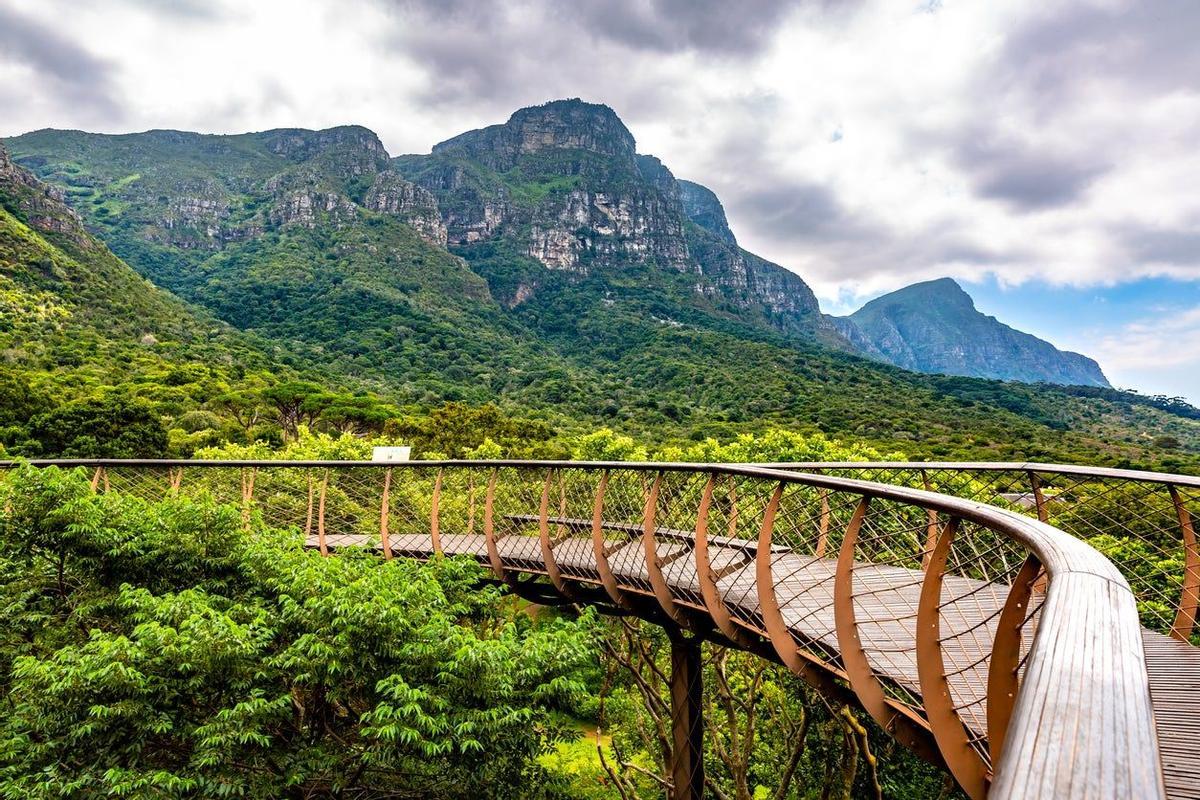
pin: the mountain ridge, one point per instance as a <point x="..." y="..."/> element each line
<point x="291" y="251"/>
<point x="934" y="326"/>
<point x="557" y="188"/>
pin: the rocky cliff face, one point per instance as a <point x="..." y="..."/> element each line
<point x="39" y="205"/>
<point x="935" y="327"/>
<point x="391" y="194"/>
<point x="555" y="126"/>
<point x="302" y="197"/>
<point x="562" y="184"/>
<point x="703" y="208"/>
<point x="350" y="150"/>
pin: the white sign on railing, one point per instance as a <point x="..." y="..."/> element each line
<point x="391" y="453"/>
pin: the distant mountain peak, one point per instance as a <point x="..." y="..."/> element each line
<point x="943" y="294"/>
<point x="933" y="326"/>
<point x="558" y="125"/>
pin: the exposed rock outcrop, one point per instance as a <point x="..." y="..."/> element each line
<point x="39" y="205"/>
<point x="564" y="185"/>
<point x="303" y="198"/>
<point x="703" y="208"/>
<point x="415" y="205"/>
<point x="558" y="125"/>
<point x="350" y="150"/>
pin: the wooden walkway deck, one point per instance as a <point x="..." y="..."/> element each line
<point x="806" y="600"/>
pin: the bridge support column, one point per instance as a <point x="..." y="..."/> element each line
<point x="687" y="720"/>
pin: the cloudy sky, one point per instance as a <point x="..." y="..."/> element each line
<point x="1044" y="152"/>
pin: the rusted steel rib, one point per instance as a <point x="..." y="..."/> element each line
<point x="1039" y="498"/>
<point x="931" y="526"/>
<point x="654" y="564"/>
<point x="952" y="738"/>
<point x="600" y="547"/>
<point x="823" y="525"/>
<point x="435" y="515"/>
<point x="858" y="670"/>
<point x="551" y="564"/>
<point x="385" y="543"/>
<point x="308" y="517"/>
<point x="707" y="577"/>
<point x="1189" y="595"/>
<point x="489" y="527"/>
<point x="1006" y="656"/>
<point x="768" y="602"/>
<point x="321" y="543"/>
<point x="248" y="477"/>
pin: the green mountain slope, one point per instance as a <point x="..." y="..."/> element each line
<point x="76" y="322"/>
<point x="297" y="236"/>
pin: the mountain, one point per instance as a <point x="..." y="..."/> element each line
<point x="303" y="237"/>
<point x="542" y="264"/>
<point x="561" y="195"/>
<point x="65" y="294"/>
<point x="77" y="324"/>
<point x="934" y="327"/>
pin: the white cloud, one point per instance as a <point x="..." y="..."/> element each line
<point x="1166" y="340"/>
<point x="865" y="145"/>
<point x="1159" y="354"/>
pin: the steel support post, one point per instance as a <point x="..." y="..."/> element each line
<point x="687" y="721"/>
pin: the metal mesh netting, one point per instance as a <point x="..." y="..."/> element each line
<point x="1137" y="523"/>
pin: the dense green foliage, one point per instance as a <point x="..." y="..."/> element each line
<point x="111" y="428"/>
<point x="160" y="650"/>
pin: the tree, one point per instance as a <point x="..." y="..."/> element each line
<point x="114" y="427"/>
<point x="245" y="407"/>
<point x="357" y="413"/>
<point x="295" y="402"/>
<point x="20" y="401"/>
<point x="158" y="650"/>
<point x="455" y="429"/>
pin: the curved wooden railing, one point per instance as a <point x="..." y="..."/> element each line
<point x="1110" y="508"/>
<point x="986" y="640"/>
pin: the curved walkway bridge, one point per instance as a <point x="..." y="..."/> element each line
<point x="970" y="609"/>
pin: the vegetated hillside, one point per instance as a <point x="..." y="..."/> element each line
<point x="76" y="323"/>
<point x="297" y="235"/>
<point x="934" y="327"/>
<point x="582" y="283"/>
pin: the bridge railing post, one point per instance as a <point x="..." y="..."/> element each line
<point x="1189" y="593"/>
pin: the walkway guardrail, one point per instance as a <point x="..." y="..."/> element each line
<point x="984" y="638"/>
